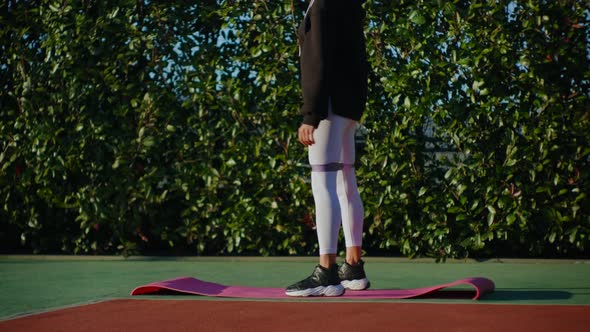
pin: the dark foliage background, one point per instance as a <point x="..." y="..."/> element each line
<point x="169" y="128"/>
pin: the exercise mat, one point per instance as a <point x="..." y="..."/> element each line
<point x="189" y="285"/>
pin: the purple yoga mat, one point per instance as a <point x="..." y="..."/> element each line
<point x="188" y="285"/>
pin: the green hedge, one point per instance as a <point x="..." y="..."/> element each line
<point x="170" y="128"/>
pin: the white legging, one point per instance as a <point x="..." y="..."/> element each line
<point x="333" y="183"/>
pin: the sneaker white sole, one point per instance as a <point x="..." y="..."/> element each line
<point x="357" y="284"/>
<point x="332" y="290"/>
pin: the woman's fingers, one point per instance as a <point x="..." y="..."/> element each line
<point x="306" y="134"/>
<point x="309" y="133"/>
<point x="303" y="136"/>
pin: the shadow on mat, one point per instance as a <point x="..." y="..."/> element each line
<point x="169" y="292"/>
<point x="449" y="294"/>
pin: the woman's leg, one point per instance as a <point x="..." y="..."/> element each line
<point x="324" y="158"/>
<point x="336" y="199"/>
<point x="350" y="200"/>
<point x="335" y="190"/>
<point x="351" y="273"/>
<point x="327" y="214"/>
<point x="325" y="161"/>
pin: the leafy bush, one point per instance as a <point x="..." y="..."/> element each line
<point x="147" y="127"/>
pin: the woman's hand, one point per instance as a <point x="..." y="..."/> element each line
<point x="306" y="134"/>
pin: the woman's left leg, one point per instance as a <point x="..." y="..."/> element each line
<point x="351" y="205"/>
<point x="351" y="272"/>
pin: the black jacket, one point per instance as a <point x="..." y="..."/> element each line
<point x="333" y="60"/>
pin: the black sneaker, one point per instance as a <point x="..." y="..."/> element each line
<point x="353" y="277"/>
<point x="321" y="282"/>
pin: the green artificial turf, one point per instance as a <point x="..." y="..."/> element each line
<point x="37" y="283"/>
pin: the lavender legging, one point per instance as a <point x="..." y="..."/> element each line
<point x="333" y="182"/>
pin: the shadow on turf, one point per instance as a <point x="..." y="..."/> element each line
<point x="441" y="294"/>
<point x="497" y="295"/>
<point x="537" y="294"/>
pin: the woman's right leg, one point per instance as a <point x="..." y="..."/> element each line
<point x="326" y="165"/>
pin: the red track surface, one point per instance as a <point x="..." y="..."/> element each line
<point x="203" y="315"/>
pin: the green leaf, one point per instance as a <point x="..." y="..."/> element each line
<point x="490" y="218"/>
<point x="117" y="163"/>
<point x="491" y="209"/>
<point x="417" y="17"/>
<point x="422" y="191"/>
<point x="148" y="141"/>
<point x="407" y="102"/>
<point x="511" y="218"/>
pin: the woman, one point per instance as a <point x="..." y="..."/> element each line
<point x="334" y="83"/>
